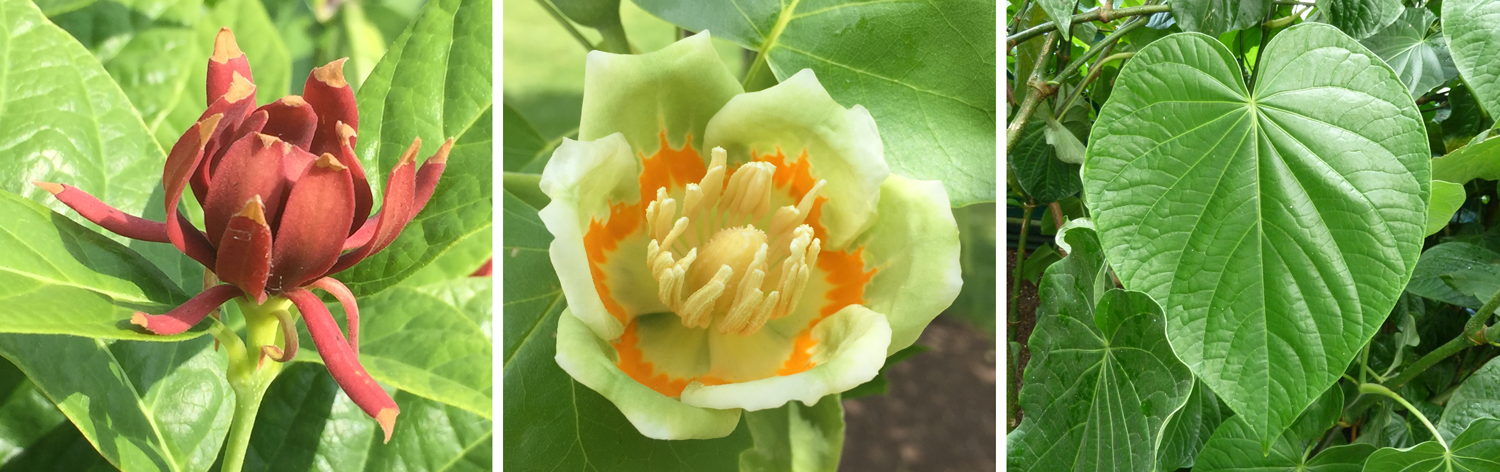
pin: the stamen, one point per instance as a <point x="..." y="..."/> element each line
<point x="749" y="192"/>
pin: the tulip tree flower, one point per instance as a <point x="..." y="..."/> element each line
<point x="285" y="205"/>
<point x="723" y="251"/>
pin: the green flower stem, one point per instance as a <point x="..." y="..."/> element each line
<point x="1475" y="333"/>
<point x="614" y="39"/>
<point x="1106" y="16"/>
<point x="247" y="376"/>
<point x="1378" y="389"/>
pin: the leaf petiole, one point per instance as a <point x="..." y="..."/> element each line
<point x="1378" y="389"/>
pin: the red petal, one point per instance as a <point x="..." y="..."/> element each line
<point x="313" y="224"/>
<point x="251" y="167"/>
<point x="292" y="120"/>
<point x="226" y="61"/>
<point x="333" y="100"/>
<point x="486" y="270"/>
<point x="395" y="209"/>
<point x="235" y="107"/>
<point x="245" y="251"/>
<point x="188" y="314"/>
<point x="363" y="199"/>
<point x="186" y="154"/>
<point x="343" y="363"/>
<point x="346" y="299"/>
<point x="427" y="176"/>
<point x="114" y="220"/>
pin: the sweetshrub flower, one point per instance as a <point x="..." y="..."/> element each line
<point x="724" y="251"/>
<point x="285" y="204"/>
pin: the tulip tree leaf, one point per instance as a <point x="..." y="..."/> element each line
<point x="1235" y="447"/>
<point x="1276" y="226"/>
<point x="1456" y="273"/>
<point x="1360" y="18"/>
<point x="1479" y="160"/>
<point x="1102" y="381"/>
<point x="46" y="259"/>
<point x="1475" y="449"/>
<point x="432" y="341"/>
<point x="923" y="69"/>
<point x="1447" y="197"/>
<point x="1478" y="397"/>
<point x="307" y="423"/>
<point x="796" y="437"/>
<point x="526" y="150"/>
<point x="1038" y="170"/>
<point x="1418" y="56"/>
<point x="1190" y="428"/>
<point x="1473" y="40"/>
<point x="433" y="83"/>
<point x="146" y="406"/>
<point x="1215" y="17"/>
<point x="552" y="421"/>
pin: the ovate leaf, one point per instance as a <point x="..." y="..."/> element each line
<point x="434" y="83"/>
<point x="1475" y="449"/>
<point x="1479" y="160"/>
<point x="1215" y="17"/>
<point x="1235" y="447"/>
<point x="1447" y="263"/>
<point x="1102" y="381"/>
<point x="1360" y="18"/>
<point x="923" y="69"/>
<point x="1061" y="12"/>
<point x="1276" y="226"/>
<point x="1417" y="54"/>
<point x="1473" y="40"/>
<point x="1038" y="170"/>
<point x="1447" y="197"/>
<point x="145" y="406"/>
<point x="57" y="277"/>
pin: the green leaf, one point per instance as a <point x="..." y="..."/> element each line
<point x="976" y="299"/>
<point x="1060" y="11"/>
<point x="1447" y="197"/>
<point x="26" y="416"/>
<point x="433" y="83"/>
<point x="1466" y="117"/>
<point x="1418" y="54"/>
<point x="924" y="70"/>
<point x="1190" y="428"/>
<point x="432" y="341"/>
<point x="1360" y="18"/>
<point x="1036" y="166"/>
<point x="58" y="7"/>
<point x="1473" y="39"/>
<point x="145" y="406"/>
<point x="1447" y="260"/>
<point x="1216" y="17"/>
<point x="1276" y="226"/>
<point x="1102" y="381"/>
<point x="1236" y="447"/>
<point x="1475" y="449"/>
<point x="525" y="148"/>
<point x="1478" y="397"/>
<point x="552" y="421"/>
<point x="602" y="15"/>
<point x="460" y="261"/>
<point x="526" y="187"/>
<point x="57" y="277"/>
<point x="307" y="423"/>
<point x="796" y="437"/>
<point x="1479" y="160"/>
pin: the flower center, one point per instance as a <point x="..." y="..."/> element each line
<point x="723" y="284"/>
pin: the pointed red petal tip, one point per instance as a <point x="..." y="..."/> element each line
<point x="49" y="187"/>
<point x="441" y="157"/>
<point x="327" y="161"/>
<point x="345" y="131"/>
<point x="410" y="156"/>
<point x="225" y="48"/>
<point x="239" y="88"/>
<point x="293" y="101"/>
<point x="387" y="420"/>
<point x="332" y="73"/>
<point x="139" y="319"/>
<point x="254" y="210"/>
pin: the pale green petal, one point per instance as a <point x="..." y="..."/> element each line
<point x="915" y="250"/>
<point x="842" y="144"/>
<point x="581" y="179"/>
<point x="589" y="360"/>
<point x="676" y="89"/>
<point x="850" y="351"/>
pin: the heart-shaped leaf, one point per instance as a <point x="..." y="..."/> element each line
<point x="1478" y="397"/>
<point x="1418" y="54"/>
<point x="1360" y="18"/>
<point x="1102" y="381"/>
<point x="1479" y="160"/>
<point x="924" y="69"/>
<point x="1439" y="265"/>
<point x="1038" y="170"/>
<point x="1190" y="428"/>
<point x="1275" y="225"/>
<point x="434" y="83"/>
<point x="1475" y="449"/>
<point x="1235" y="447"/>
<point x="1473" y="40"/>
<point x="1215" y="17"/>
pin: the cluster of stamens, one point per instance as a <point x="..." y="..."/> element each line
<point x="736" y="255"/>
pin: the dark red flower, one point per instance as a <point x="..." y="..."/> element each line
<point x="285" y="204"/>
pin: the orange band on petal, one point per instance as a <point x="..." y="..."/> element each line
<point x="633" y="362"/>
<point x="602" y="239"/>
